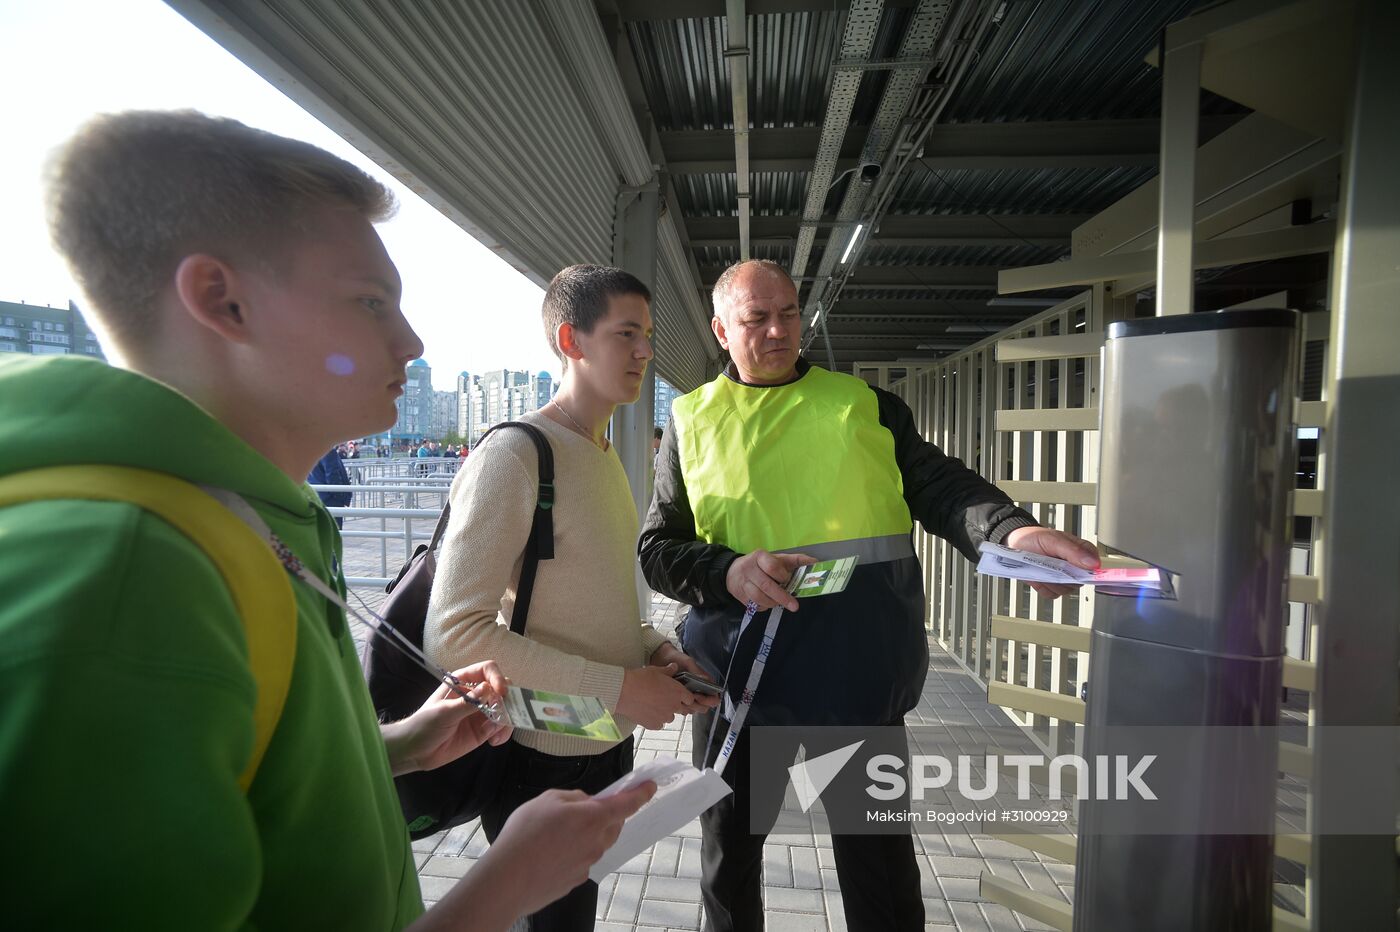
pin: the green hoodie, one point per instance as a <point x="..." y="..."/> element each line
<point x="126" y="700"/>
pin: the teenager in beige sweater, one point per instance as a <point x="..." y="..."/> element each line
<point x="584" y="634"/>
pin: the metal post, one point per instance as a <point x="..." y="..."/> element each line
<point x="1353" y="876"/>
<point x="634" y="249"/>
<point x="1181" y="93"/>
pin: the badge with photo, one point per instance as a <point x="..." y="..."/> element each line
<point x="825" y="578"/>
<point x="560" y="714"/>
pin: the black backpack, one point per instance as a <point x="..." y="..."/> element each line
<point x="434" y="800"/>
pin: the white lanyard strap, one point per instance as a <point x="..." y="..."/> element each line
<point x="295" y="568"/>
<point x="760" y="660"/>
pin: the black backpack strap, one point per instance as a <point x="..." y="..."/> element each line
<point x="440" y="529"/>
<point x="540" y="545"/>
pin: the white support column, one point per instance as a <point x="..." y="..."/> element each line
<point x="1039" y="449"/>
<point x="986" y="447"/>
<point x="1176" y="230"/>
<point x="1353" y="876"/>
<point x="634" y="249"/>
<point x="1059" y="608"/>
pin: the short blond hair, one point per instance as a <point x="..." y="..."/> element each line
<point x="723" y="295"/>
<point x="132" y="194"/>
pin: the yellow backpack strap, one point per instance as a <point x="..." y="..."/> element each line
<point x="260" y="587"/>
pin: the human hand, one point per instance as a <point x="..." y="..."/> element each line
<point x="653" y="697"/>
<point x="762" y="577"/>
<point x="446" y="726"/>
<point x="529" y="842"/>
<point x="528" y="867"/>
<point x="669" y="655"/>
<point x="1052" y="543"/>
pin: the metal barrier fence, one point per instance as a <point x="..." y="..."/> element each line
<point x="366" y="469"/>
<point x="395" y="503"/>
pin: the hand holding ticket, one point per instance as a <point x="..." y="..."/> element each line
<point x="682" y="793"/>
<point x="1034" y="567"/>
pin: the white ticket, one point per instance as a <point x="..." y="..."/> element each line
<point x="682" y="793"/>
<point x="1035" y="567"/>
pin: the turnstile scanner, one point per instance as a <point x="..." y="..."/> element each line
<point x="1196" y="466"/>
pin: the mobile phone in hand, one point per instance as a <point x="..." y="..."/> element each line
<point x="697" y="685"/>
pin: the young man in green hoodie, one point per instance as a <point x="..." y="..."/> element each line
<point x="255" y="317"/>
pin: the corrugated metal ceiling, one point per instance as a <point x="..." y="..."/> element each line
<point x="1045" y="60"/>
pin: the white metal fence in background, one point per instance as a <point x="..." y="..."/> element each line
<point x="394" y="505"/>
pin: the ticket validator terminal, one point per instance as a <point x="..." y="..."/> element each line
<point x="1197" y="461"/>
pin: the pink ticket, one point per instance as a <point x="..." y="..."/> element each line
<point x="1126" y="575"/>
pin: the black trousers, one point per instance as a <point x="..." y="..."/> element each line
<point x="879" y="875"/>
<point x="528" y="774"/>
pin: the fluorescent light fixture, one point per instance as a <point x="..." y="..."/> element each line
<point x="852" y="244"/>
<point x="973" y="328"/>
<point x="816" y="317"/>
<point x="1079" y="325"/>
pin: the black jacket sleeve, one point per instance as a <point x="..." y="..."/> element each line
<point x="674" y="561"/>
<point x="943" y="495"/>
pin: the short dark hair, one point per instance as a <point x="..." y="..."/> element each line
<point x="132" y="194"/>
<point x="579" y="296"/>
<point x="656" y="433"/>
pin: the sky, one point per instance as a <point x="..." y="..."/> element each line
<point x="61" y="61"/>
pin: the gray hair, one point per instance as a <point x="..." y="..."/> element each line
<point x="724" y="296"/>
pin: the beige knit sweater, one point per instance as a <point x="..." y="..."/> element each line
<point x="585" y="626"/>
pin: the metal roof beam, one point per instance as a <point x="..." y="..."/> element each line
<point x="848" y="356"/>
<point x="786" y="148"/>
<point x="952" y="310"/>
<point x="915" y="330"/>
<point x="901" y="229"/>
<point x="906" y="277"/>
<point x="1046" y="144"/>
<point x="651" y="11"/>
<point x="852" y="341"/>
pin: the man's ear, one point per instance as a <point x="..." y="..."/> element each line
<point x="210" y="293"/>
<point x="566" y="338"/>
<point x="717" y="325"/>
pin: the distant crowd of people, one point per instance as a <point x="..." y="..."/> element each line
<point x="413" y="448"/>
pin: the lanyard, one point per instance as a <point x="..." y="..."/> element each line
<point x="760" y="660"/>
<point x="297" y="570"/>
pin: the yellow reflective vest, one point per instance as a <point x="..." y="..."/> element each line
<point x="787" y="467"/>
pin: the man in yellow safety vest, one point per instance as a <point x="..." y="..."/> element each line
<point x="774" y="464"/>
